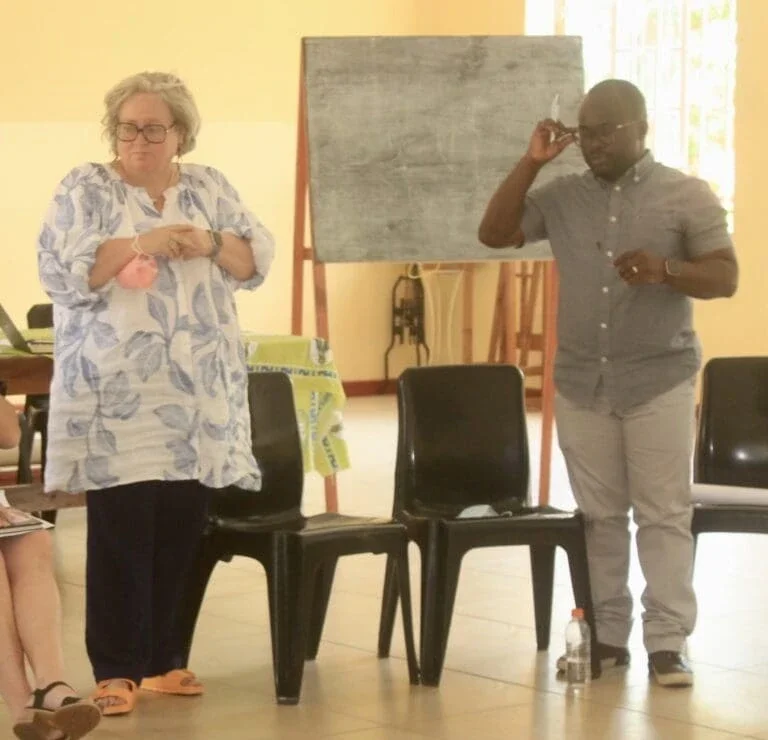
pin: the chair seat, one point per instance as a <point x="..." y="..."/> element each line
<point x="527" y="519"/>
<point x="717" y="495"/>
<point x="289" y="520"/>
<point x="330" y="520"/>
<point x="320" y="523"/>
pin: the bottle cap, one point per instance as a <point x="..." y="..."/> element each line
<point x="577" y="613"/>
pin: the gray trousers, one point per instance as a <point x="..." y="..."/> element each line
<point x="641" y="460"/>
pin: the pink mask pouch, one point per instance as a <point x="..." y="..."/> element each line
<point x="139" y="273"/>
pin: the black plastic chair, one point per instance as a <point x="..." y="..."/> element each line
<point x="730" y="490"/>
<point x="463" y="442"/>
<point x="299" y="554"/>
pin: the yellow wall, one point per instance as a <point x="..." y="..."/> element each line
<point x="738" y="326"/>
<point x="241" y="61"/>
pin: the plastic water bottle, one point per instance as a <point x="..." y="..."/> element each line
<point x="577" y="651"/>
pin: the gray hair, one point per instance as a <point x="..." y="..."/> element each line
<point x="171" y="89"/>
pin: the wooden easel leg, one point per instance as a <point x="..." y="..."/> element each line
<point x="302" y="253"/>
<point x="331" y="493"/>
<point x="300" y="211"/>
<point x="547" y="380"/>
<point x="321" y="300"/>
<point x="528" y="310"/>
<point x="498" y="325"/>
<point x="468" y="301"/>
<point x="510" y="317"/>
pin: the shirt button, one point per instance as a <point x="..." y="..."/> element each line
<point x="605" y="289"/>
<point x="617" y="188"/>
<point x="603" y="325"/>
<point x="609" y="254"/>
<point x="612" y="219"/>
<point x="636" y="178"/>
<point x="603" y="359"/>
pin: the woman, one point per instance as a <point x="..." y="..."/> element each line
<point x="148" y="400"/>
<point x="30" y="627"/>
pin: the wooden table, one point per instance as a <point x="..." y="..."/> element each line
<point x="26" y="375"/>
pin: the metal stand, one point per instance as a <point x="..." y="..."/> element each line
<point x="408" y="315"/>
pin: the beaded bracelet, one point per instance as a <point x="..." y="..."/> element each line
<point x="136" y="247"/>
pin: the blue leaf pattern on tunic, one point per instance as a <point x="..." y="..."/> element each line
<point x="166" y="282"/>
<point x="149" y="361"/>
<point x="158" y="311"/>
<point x="78" y="427"/>
<point x="174" y="417"/>
<point x="148" y="384"/>
<point x="65" y="215"/>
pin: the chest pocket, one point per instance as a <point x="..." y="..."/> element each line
<point x="657" y="230"/>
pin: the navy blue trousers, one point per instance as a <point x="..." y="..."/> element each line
<point x="142" y="540"/>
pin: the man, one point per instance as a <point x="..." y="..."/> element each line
<point x="634" y="242"/>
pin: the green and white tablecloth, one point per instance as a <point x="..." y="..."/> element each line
<point x="317" y="390"/>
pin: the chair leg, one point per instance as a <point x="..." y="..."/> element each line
<point x="192" y="598"/>
<point x="289" y="598"/>
<point x="543" y="574"/>
<point x="439" y="579"/>
<point x="404" y="586"/>
<point x="582" y="593"/>
<point x="48" y="516"/>
<point x="24" y="464"/>
<point x="320" y="597"/>
<point x="388" y="606"/>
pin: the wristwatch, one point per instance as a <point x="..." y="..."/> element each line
<point x="216" y="244"/>
<point x="673" y="268"/>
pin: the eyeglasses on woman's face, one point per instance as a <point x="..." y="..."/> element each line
<point x="153" y="133"/>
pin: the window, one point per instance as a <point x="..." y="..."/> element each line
<point x="681" y="54"/>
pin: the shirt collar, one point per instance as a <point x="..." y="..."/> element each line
<point x="634" y="174"/>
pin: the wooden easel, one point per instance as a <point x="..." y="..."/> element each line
<point x="510" y="345"/>
<point x="303" y="253"/>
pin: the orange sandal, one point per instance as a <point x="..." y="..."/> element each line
<point x="179" y="682"/>
<point x="106" y="690"/>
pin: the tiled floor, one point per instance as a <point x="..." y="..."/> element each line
<point x="495" y="684"/>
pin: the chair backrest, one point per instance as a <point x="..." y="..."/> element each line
<point x="277" y="448"/>
<point x="462" y="439"/>
<point x="732" y="440"/>
<point x="40" y="316"/>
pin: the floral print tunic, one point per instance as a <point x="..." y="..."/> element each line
<point x="148" y="384"/>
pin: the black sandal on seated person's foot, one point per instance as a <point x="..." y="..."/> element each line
<point x="74" y="717"/>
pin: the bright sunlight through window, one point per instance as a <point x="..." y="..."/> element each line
<point x="681" y="54"/>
